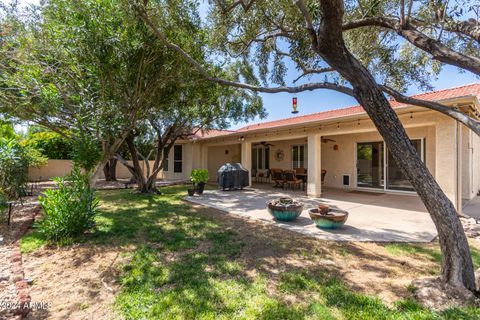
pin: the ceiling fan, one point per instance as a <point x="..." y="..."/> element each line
<point x="264" y="143"/>
<point x="325" y="140"/>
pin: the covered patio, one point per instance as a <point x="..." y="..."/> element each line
<point x="376" y="217"/>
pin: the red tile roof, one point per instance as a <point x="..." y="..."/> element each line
<point x="201" y="134"/>
<point x="466" y="90"/>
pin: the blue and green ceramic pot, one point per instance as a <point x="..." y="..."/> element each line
<point x="333" y="219"/>
<point x="284" y="209"/>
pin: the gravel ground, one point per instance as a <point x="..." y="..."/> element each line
<point x="8" y="236"/>
<point x="7" y="287"/>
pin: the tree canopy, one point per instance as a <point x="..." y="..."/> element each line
<point x="93" y="69"/>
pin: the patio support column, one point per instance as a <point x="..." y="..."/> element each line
<point x="314" y="183"/>
<point x="446" y="158"/>
<point x="459" y="150"/>
<point x="246" y="151"/>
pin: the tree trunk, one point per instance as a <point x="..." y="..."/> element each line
<point x="457" y="267"/>
<point x="96" y="173"/>
<point x="143" y="184"/>
<point x="110" y="170"/>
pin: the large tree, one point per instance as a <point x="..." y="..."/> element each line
<point x="319" y="37"/>
<point x="192" y="106"/>
<point x="91" y="70"/>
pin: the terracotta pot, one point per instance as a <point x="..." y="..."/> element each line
<point x="323" y="208"/>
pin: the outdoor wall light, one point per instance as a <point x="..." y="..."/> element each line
<point x="294" y="105"/>
<point x="242" y="138"/>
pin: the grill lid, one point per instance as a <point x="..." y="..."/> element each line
<point x="229" y="167"/>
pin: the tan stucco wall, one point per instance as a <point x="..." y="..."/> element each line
<point x="476" y="165"/>
<point x="53" y="168"/>
<point x="60" y="168"/>
<point x="471" y="164"/>
<point x="217" y="157"/>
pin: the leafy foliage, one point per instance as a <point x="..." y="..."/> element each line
<point x="14" y="162"/>
<point x="6" y="130"/>
<point x="85" y="151"/>
<point x="199" y="175"/>
<point x="50" y="144"/>
<point x="69" y="210"/>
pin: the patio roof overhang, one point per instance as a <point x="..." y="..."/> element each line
<point x="468" y="104"/>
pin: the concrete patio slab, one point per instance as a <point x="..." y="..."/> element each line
<point x="372" y="217"/>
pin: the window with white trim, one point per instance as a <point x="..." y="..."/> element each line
<point x="299" y="156"/>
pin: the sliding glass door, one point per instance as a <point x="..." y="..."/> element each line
<point x="370" y="173"/>
<point x="377" y="169"/>
<point x="396" y="180"/>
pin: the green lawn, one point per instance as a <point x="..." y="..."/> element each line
<point x="188" y="265"/>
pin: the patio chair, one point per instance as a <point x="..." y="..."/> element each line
<point x="254" y="175"/>
<point x="301" y="173"/>
<point x="300" y="170"/>
<point x="291" y="180"/>
<point x="277" y="177"/>
<point x="261" y="175"/>
<point x="324" y="173"/>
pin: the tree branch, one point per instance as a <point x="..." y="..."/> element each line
<point x="461" y="117"/>
<point x="305" y="87"/>
<point x="313" y="71"/>
<point x="422" y="41"/>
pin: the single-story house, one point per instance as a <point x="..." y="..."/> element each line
<point x="345" y="143"/>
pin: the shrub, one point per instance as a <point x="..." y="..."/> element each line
<point x="199" y="175"/>
<point x="69" y="210"/>
<point x="85" y="151"/>
<point x="14" y="162"/>
<point x="51" y="144"/>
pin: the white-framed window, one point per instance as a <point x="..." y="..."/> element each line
<point x="299" y="156"/>
<point x="260" y="158"/>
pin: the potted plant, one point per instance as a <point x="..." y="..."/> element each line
<point x="285" y="209"/>
<point x="199" y="178"/>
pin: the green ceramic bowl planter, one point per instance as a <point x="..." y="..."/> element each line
<point x="328" y="218"/>
<point x="284" y="209"/>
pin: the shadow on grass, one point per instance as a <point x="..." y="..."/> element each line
<point x="188" y="265"/>
<point x="434" y="254"/>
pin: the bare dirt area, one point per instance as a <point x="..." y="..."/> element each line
<point x="78" y="282"/>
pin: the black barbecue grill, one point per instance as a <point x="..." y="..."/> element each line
<point x="233" y="176"/>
